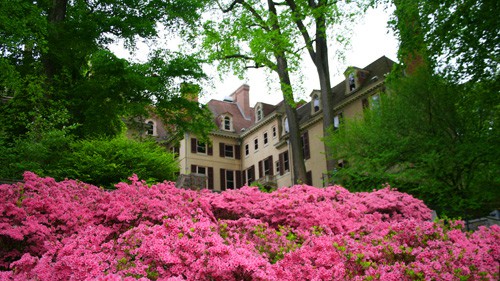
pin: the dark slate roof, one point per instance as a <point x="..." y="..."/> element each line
<point x="221" y="107"/>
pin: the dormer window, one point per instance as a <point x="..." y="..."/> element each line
<point x="227" y="123"/>
<point x="259" y="113"/>
<point x="150" y="128"/>
<point x="316" y="105"/>
<point x="352" y="82"/>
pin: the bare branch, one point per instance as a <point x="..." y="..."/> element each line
<point x="231" y="7"/>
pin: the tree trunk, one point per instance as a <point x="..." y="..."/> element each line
<point x="56" y="15"/>
<point x="320" y="59"/>
<point x="299" y="168"/>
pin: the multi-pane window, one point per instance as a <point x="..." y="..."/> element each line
<point x="150" y="128"/>
<point x="229" y="179"/>
<point x="247" y="149"/>
<point x="227" y="123"/>
<point x="316" y="103"/>
<point x="352" y="83"/>
<point x="201" y="147"/>
<point x="260" y="114"/>
<point x="274" y="131"/>
<point x="265" y="138"/>
<point x="256" y="144"/>
<point x="228" y="151"/>
<point x="284" y="163"/>
<point x="277" y="164"/>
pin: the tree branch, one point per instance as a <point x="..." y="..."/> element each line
<point x="231" y="7"/>
<point x="303" y="29"/>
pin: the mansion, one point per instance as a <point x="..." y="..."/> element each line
<point x="251" y="143"/>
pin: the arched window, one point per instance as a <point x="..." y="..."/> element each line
<point x="286" y="128"/>
<point x="150" y="128"/>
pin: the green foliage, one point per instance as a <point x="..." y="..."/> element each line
<point x="431" y="138"/>
<point x="102" y="162"/>
<point x="105" y="162"/>
<point x="54" y="58"/>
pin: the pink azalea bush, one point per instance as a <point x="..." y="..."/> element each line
<point x="70" y="230"/>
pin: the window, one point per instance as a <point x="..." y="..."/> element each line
<point x="250" y="175"/>
<point x="247" y="149"/>
<point x="265" y="138"/>
<point x="256" y="144"/>
<point x="277" y="165"/>
<point x="228" y="151"/>
<point x="352" y="83"/>
<point x="316" y="103"/>
<point x="337" y="120"/>
<point x="259" y="113"/>
<point x="274" y="131"/>
<point x="200" y="147"/>
<point x="229" y="179"/>
<point x="284" y="163"/>
<point x="227" y="123"/>
<point x="207" y="171"/>
<point x="150" y="128"/>
<point x="375" y="101"/>
<point x="285" y="125"/>
<point x="266" y="167"/>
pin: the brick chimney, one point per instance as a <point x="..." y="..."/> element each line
<point x="242" y="98"/>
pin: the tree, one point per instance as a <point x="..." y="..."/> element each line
<point x="56" y="60"/>
<point x="315" y="20"/>
<point x="435" y="133"/>
<point x="255" y="32"/>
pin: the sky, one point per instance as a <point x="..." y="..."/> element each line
<point x="371" y="40"/>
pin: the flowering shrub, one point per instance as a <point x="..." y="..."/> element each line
<point x="70" y="230"/>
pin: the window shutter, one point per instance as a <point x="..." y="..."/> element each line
<point x="210" y="149"/>
<point x="237" y="151"/>
<point x="238" y="179"/>
<point x="244" y="176"/>
<point x="261" y="174"/>
<point x="305" y="145"/>
<point x="282" y="161"/>
<point x="210" y="178"/>
<point x="222" y="179"/>
<point x="271" y="168"/>
<point x="193" y="145"/>
<point x="221" y="149"/>
<point x="193" y="169"/>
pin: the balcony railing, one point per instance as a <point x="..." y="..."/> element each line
<point x="268" y="180"/>
<point x="192" y="181"/>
